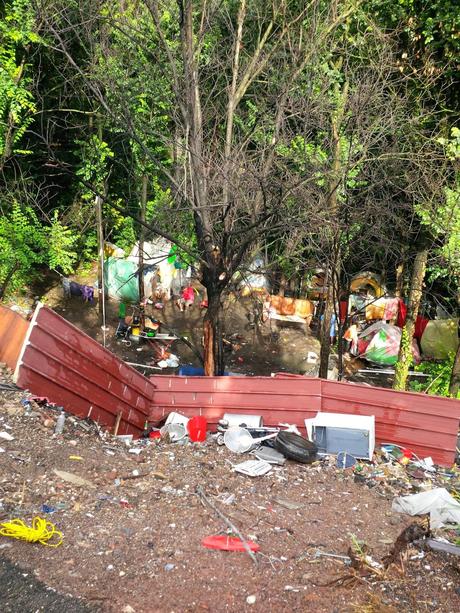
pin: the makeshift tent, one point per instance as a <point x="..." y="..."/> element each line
<point x="121" y="276"/>
<point x="161" y="257"/>
<point x="383" y="344"/>
<point x="367" y="281"/>
<point x="255" y="279"/>
<point x="440" y="338"/>
<point x="121" y="280"/>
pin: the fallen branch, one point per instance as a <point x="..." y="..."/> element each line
<point x="233" y="528"/>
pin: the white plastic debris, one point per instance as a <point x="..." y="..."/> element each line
<point x="6" y="436"/>
<point x="441" y="506"/>
<point x="253" y="468"/>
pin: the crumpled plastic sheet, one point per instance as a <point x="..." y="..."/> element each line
<point x="442" y="507"/>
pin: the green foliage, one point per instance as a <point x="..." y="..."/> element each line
<point x="25" y="243"/>
<point x="94" y="155"/>
<point x="22" y="245"/>
<point x="443" y="220"/>
<point x="438" y="381"/>
<point x="17" y="105"/>
<point x="122" y="231"/>
<point x="61" y="247"/>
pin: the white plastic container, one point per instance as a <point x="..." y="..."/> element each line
<point x="177" y="418"/>
<point x="239" y="419"/>
<point x="176" y="432"/>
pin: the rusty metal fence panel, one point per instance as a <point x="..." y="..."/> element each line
<point x="277" y="399"/>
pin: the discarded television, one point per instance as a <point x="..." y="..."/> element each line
<point x="335" y="432"/>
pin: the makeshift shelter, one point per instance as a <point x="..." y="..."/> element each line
<point x="255" y="280"/>
<point x="160" y="259"/>
<point x="368" y="281"/>
<point x="380" y="343"/>
<point x="121" y="279"/>
<point x="440" y="338"/>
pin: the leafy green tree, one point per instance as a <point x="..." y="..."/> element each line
<point x="22" y="245"/>
<point x="18" y="33"/>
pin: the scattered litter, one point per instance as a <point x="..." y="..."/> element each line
<point x="442" y="507"/>
<point x="325" y="554"/>
<point x="345" y="460"/>
<point x="71" y="478"/>
<point x="135" y="450"/>
<point x="229" y="499"/>
<point x="270" y="455"/>
<point x="253" y="468"/>
<point x="444" y="546"/>
<point x="228" y="543"/>
<point x="6" y="436"/>
<point x="2" y="450"/>
<point x="174" y="431"/>
<point x="239" y="440"/>
<point x="295" y="447"/>
<point x="169" y="567"/>
<point x="251" y="599"/>
<point x="75" y="457"/>
<point x="287" y="504"/>
<point x="125" y="438"/>
<point x="196" y="428"/>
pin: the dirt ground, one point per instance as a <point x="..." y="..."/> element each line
<point x="133" y="531"/>
<point x="258" y="349"/>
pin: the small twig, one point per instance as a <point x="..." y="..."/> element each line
<point x="233" y="528"/>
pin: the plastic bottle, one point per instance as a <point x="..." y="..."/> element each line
<point x="60" y="423"/>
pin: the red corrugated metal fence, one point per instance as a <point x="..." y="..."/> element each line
<point x="71" y="369"/>
<point x="62" y="363"/>
<point x="426" y="424"/>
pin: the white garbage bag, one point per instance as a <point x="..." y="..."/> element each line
<point x="441" y="506"/>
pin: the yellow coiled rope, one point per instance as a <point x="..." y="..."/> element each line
<point x="41" y="531"/>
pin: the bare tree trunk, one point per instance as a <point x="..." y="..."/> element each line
<point x="325" y="338"/>
<point x="399" y="280"/>
<point x="415" y="295"/>
<point x="141" y="240"/>
<point x="454" y="386"/>
<point x="283" y="284"/>
<point x="333" y="205"/>
<point x="212" y="337"/>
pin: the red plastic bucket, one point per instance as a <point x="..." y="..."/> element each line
<point x="197" y="428"/>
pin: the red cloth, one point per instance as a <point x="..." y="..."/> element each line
<point x="343" y="308"/>
<point x="420" y="326"/>
<point x="402" y="312"/>
<point x="420" y="323"/>
<point x="188" y="294"/>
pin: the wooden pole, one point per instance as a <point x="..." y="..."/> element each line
<point x="117" y="424"/>
<point x="100" y="260"/>
<point x="141" y="245"/>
